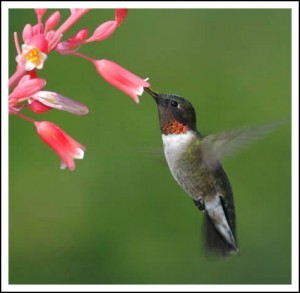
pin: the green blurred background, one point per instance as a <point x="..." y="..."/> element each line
<point x="120" y="218"/>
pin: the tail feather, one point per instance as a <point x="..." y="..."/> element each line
<point x="214" y="242"/>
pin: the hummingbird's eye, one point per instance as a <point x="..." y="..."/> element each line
<point x="174" y="104"/>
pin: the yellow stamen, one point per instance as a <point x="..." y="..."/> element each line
<point x="34" y="56"/>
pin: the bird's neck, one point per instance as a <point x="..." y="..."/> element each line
<point x="178" y="143"/>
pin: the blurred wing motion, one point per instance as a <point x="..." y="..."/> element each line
<point x="154" y="150"/>
<point x="155" y="153"/>
<point x="220" y="145"/>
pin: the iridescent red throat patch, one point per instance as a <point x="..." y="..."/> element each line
<point x="175" y="127"/>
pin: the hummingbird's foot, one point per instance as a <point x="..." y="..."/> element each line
<point x="200" y="204"/>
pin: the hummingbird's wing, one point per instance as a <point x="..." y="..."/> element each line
<point x="220" y="145"/>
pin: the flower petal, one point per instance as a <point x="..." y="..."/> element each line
<point x="37" y="29"/>
<point x="59" y="102"/>
<point x="39" y="41"/>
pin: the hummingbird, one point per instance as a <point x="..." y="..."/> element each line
<point x="194" y="161"/>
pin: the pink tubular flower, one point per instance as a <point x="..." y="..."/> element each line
<point x="121" y="78"/>
<point x="26" y="87"/>
<point x="62" y="144"/>
<point x="81" y="35"/>
<point x="38" y="107"/>
<point x="52" y="21"/>
<point x="40" y="13"/>
<point x="103" y="31"/>
<point x="120" y="15"/>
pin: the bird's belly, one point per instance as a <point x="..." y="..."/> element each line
<point x="188" y="180"/>
<point x="187" y="173"/>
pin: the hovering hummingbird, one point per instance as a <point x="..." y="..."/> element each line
<point x="194" y="161"/>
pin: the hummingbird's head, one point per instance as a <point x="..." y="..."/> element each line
<point x="176" y="114"/>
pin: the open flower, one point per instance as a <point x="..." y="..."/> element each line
<point x="62" y="144"/>
<point x="121" y="78"/>
<point x="32" y="57"/>
<point x="34" y="50"/>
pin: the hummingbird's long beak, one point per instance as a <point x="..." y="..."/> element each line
<point x="152" y="93"/>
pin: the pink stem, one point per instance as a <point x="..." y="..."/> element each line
<point x="24" y="117"/>
<point x="16" y="77"/>
<point x="53" y="43"/>
<point x="71" y="21"/>
<point x="83" y="56"/>
<point x="17" y="43"/>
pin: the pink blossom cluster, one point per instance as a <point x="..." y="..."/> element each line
<point x="27" y="89"/>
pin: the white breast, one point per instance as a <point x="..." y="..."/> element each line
<point x="174" y="146"/>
